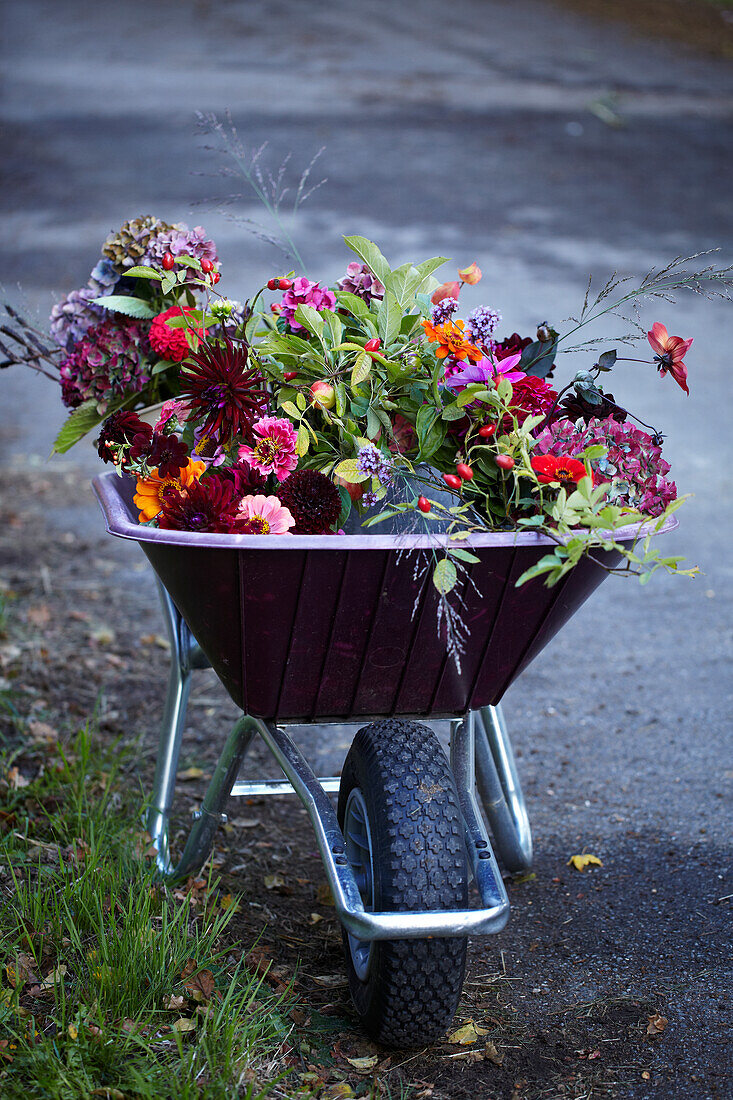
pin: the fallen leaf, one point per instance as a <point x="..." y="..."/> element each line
<point x="245" y="822"/>
<point x="185" y="1023"/>
<point x="54" y="977"/>
<point x="201" y="986"/>
<point x="230" y="902"/>
<point x="493" y="1054"/>
<point x="5" y="1054"/>
<point x="16" y="780"/>
<point x="583" y="861"/>
<point x="190" y="774"/>
<point x="341" y="1091"/>
<point x="314" y="918"/>
<point x="273" y="882"/>
<point x="103" y="635"/>
<point x="73" y="1031"/>
<point x="469" y="1033"/>
<point x="656" y="1024"/>
<point x="331" y="981"/>
<point x="364" y="1065"/>
<point x="22" y="971"/>
<point x="174" y="1002"/>
<point x="323" y="894"/>
<point x="155" y="639"/>
<point x="42" y="734"/>
<point x="39" y="616"/>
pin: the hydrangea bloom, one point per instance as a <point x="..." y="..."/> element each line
<point x="360" y="281"/>
<point x="633" y="466"/>
<point x="274" y="447"/>
<point x="304" y="293"/>
<point x="109" y="361"/>
<point x="179" y="240"/>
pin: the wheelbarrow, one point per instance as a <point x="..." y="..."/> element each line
<point x="314" y="629"/>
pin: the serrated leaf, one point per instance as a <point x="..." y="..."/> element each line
<point x="143" y="272"/>
<point x="168" y="282"/>
<point x="371" y="256"/>
<point x="349" y="470"/>
<point x="445" y="576"/>
<point x="76" y="425"/>
<point x="585" y="860"/>
<point x="123" y="303"/>
<point x="362" y="369"/>
<point x="311" y="319"/>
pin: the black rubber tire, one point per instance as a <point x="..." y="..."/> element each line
<point x="412" y="987"/>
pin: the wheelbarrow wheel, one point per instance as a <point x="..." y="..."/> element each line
<point x="400" y="814"/>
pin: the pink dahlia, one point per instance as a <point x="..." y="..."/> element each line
<point x="264" y="516"/>
<point x="171" y="343"/>
<point x="171" y="411"/>
<point x="274" y="449"/>
<point x="305" y="293"/>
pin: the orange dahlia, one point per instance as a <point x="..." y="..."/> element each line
<point x="451" y="340"/>
<point x="152" y="491"/>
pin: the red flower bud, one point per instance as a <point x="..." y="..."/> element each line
<point x="452" y="481"/>
<point x="273" y="284"/>
<point x="464" y="471"/>
<point x="487" y="430"/>
<point x="285" y="284"/>
<point x="168" y="261"/>
<point x="290" y="375"/>
<point x="215" y="277"/>
<point x="275" y="307"/>
<point x="423" y="504"/>
<point x="206" y="266"/>
<point x="504" y="462"/>
<point x="373" y="345"/>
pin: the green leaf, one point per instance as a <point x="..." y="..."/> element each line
<point x="302" y="441"/>
<point x="311" y="319"/>
<point x="445" y="576"/>
<point x="77" y="424"/>
<point x="465" y="555"/>
<point x="345" y="507"/>
<point x="374" y="424"/>
<point x="389" y="317"/>
<point x="349" y="470"/>
<point x="143" y="272"/>
<point x="168" y="282"/>
<point x="163" y="364"/>
<point x="368" y="252"/>
<point x="362" y="369"/>
<point x="122" y="303"/>
<point x="452" y="412"/>
<point x="291" y="409"/>
<point x="355" y="305"/>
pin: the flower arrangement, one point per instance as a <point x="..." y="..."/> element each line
<point x="364" y="402"/>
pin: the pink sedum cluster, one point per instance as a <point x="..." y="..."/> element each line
<point x="633" y="465"/>
<point x="305" y="293"/>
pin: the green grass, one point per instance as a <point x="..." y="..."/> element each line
<point x="93" y="949"/>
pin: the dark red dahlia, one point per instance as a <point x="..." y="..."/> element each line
<point x="531" y="396"/>
<point x="168" y="453"/>
<point x="576" y="407"/>
<point x="221" y="388"/>
<point x="512" y="345"/>
<point x="245" y="479"/>
<point x="119" y="430"/>
<point x="313" y="501"/>
<point x="208" y="505"/>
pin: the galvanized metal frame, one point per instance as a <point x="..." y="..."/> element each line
<point x="480" y="753"/>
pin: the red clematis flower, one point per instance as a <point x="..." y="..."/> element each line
<point x="670" y="353"/>
<point x="562" y="468"/>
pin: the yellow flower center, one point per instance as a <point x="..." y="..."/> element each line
<point x="260" y="524"/>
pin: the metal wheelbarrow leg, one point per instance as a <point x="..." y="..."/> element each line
<point x="501" y="792"/>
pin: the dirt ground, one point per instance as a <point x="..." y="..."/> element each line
<point x="551" y="1018"/>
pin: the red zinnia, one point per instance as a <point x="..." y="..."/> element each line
<point x="220" y="388"/>
<point x="171" y="343"/>
<point x="562" y="468"/>
<point x="670" y="353"/>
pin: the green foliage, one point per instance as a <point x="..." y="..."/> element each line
<point x="123" y="303"/>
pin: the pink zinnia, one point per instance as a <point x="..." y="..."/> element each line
<point x="265" y="516"/>
<point x="274" y="451"/>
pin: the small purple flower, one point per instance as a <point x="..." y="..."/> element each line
<point x="373" y="462"/>
<point x="369" y="500"/>
<point x="482" y="323"/>
<point x="443" y="310"/>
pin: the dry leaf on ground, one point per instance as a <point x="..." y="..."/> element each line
<point x="469" y="1033"/>
<point x="184" y="1024"/>
<point x="274" y="882"/>
<point x="364" y="1065"/>
<point x="190" y="774"/>
<point x="585" y="860"/>
<point x="655" y="1024"/>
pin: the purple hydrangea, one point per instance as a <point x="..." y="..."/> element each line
<point x="633" y="466"/>
<point x="71" y="317"/>
<point x="482" y="322"/>
<point x="106" y="363"/>
<point x="182" y="241"/>
<point x="305" y="293"/>
<point x="360" y="281"/>
<point x="443" y="310"/>
<point x="373" y="462"/>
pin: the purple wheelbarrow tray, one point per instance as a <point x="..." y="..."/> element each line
<point x="308" y="628"/>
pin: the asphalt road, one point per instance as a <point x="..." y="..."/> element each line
<point x="546" y="147"/>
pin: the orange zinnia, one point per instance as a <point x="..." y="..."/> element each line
<point x="451" y="340"/>
<point x="151" y="491"/>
